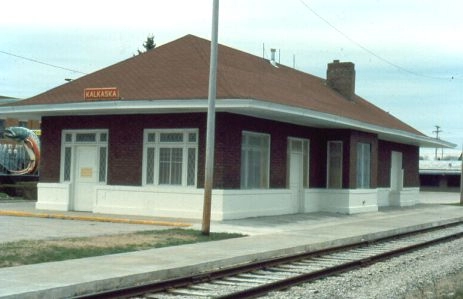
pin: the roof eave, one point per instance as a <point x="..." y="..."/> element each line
<point x="250" y="107"/>
<point x="307" y="117"/>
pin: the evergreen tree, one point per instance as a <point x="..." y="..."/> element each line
<point x="148" y="44"/>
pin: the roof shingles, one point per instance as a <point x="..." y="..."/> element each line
<point x="180" y="70"/>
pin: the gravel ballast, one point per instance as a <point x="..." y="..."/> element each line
<point x="434" y="272"/>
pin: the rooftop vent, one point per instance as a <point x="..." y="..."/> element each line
<point x="272" y="57"/>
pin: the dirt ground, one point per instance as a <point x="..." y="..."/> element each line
<point x="117" y="240"/>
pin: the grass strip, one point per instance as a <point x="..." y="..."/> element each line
<point x="42" y="251"/>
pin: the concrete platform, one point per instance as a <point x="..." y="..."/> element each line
<point x="268" y="237"/>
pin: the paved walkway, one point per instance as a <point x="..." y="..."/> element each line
<point x="268" y="236"/>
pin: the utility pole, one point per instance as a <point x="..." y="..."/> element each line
<point x="210" y="135"/>
<point x="437" y="131"/>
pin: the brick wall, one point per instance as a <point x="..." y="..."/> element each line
<point x="50" y="147"/>
<point x="126" y="148"/>
<point x="125" y="142"/>
<point x="229" y="128"/>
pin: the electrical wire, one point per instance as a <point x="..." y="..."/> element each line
<point x="368" y="50"/>
<point x="43" y="63"/>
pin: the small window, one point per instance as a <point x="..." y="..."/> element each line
<point x="192" y="137"/>
<point x="171" y="137"/>
<point x="68" y="137"/>
<point x="67" y="164"/>
<point x="151" y="137"/>
<point x="150" y="165"/>
<point x="191" y="175"/>
<point x="102" y="170"/>
<point x="86" y="137"/>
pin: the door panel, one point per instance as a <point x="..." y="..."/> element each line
<point x="85" y="177"/>
<point x="396" y="171"/>
<point x="298" y="153"/>
<point x="296" y="182"/>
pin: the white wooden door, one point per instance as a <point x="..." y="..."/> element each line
<point x="296" y="184"/>
<point x="298" y="153"/>
<point x="85" y="177"/>
<point x="396" y="171"/>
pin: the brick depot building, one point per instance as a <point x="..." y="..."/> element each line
<point x="130" y="139"/>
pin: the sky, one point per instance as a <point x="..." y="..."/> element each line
<point x="407" y="53"/>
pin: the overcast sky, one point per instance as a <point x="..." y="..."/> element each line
<point x="407" y="53"/>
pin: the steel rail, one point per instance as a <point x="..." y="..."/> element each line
<point x="348" y="266"/>
<point x="260" y="290"/>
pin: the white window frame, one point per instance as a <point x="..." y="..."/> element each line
<point x="363" y="176"/>
<point x="157" y="144"/>
<point x="328" y="164"/>
<point x="244" y="180"/>
<point x="71" y="145"/>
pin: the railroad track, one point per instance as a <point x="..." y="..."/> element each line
<point x="257" y="279"/>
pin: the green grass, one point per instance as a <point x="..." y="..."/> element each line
<point x="458" y="294"/>
<point x="41" y="251"/>
<point x="4" y="196"/>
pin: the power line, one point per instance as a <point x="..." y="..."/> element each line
<point x="41" y="62"/>
<point x="368" y="50"/>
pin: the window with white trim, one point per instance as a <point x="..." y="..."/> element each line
<point x="334" y="167"/>
<point x="363" y="165"/>
<point x="255" y="160"/>
<point x="170" y="157"/>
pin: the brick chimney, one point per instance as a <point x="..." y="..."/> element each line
<point x="340" y="76"/>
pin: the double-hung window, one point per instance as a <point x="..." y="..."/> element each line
<point x="334" y="173"/>
<point x="363" y="165"/>
<point x="170" y="157"/>
<point x="255" y="160"/>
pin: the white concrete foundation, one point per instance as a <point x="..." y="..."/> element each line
<point x="53" y="196"/>
<point x="226" y="204"/>
<point x="403" y="198"/>
<point x="345" y="201"/>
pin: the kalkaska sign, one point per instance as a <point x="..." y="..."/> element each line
<point x="102" y="93"/>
